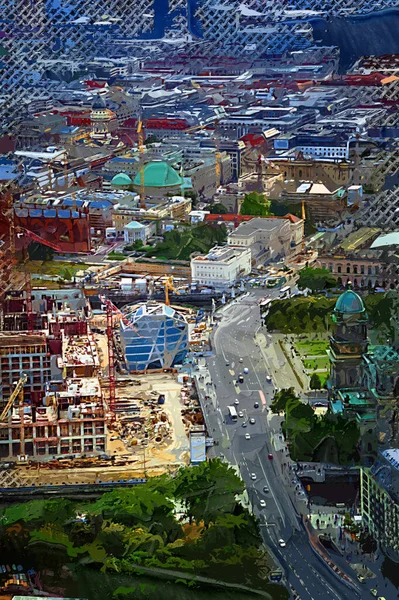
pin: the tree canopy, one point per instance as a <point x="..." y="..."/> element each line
<point x="180" y="243"/>
<point x="191" y="522"/>
<point x="255" y="205"/>
<point x="218" y="209"/>
<point x="316" y="280"/>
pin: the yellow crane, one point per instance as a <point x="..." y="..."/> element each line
<point x="169" y="287"/>
<point x="18" y="390"/>
<point x="140" y="135"/>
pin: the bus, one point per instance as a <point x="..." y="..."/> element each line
<point x="285" y="292"/>
<point x="232" y="413"/>
<point x="265" y="303"/>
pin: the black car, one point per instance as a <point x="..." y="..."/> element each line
<point x="240" y="378"/>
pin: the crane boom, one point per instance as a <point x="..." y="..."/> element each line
<point x="15" y="393"/>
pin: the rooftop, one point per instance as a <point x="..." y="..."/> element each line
<point x="349" y="303"/>
<point x="159" y="174"/>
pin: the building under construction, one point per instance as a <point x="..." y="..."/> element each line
<point x="51" y="401"/>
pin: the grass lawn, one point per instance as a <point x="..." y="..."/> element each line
<point x="323" y="376"/>
<point x="321" y="362"/>
<point x="53" y="267"/>
<point x="46" y="283"/>
<point x="308" y="347"/>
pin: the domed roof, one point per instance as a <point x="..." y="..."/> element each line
<point x="121" y="179"/>
<point x="99" y="103"/>
<point x="159" y="174"/>
<point x="350" y="303"/>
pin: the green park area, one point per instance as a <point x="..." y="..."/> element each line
<point x="55" y="268"/>
<point x="313" y="353"/>
<point x="155" y="540"/>
<point x="327" y="438"/>
<point x="179" y="244"/>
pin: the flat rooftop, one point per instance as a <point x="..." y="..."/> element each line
<point x="221" y="254"/>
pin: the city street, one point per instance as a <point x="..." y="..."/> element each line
<point x="260" y="459"/>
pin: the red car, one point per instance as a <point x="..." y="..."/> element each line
<point x="270" y="456"/>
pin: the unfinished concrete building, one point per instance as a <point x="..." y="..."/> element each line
<point x="61" y="410"/>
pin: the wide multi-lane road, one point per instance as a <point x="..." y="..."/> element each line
<point x="260" y="458"/>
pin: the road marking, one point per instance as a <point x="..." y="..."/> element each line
<point x="262" y="397"/>
<point x="271" y="489"/>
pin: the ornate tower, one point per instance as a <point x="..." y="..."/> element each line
<point x="100" y="118"/>
<point x="349" y="342"/>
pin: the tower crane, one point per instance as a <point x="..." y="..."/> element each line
<point x="140" y="135"/>
<point x="111" y="312"/>
<point x="15" y="393"/>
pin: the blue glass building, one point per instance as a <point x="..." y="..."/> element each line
<point x="153" y="336"/>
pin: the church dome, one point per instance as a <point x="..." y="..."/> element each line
<point x="159" y="174"/>
<point x="121" y="179"/>
<point x="349" y="303"/>
<point x="99" y="103"/>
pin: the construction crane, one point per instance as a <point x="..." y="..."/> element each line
<point x="18" y="390"/>
<point x="140" y="135"/>
<point x="169" y="287"/>
<point x="112" y="311"/>
<point x="109" y="307"/>
<point x="303" y="215"/>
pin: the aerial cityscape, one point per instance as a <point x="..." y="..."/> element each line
<point x="199" y="300"/>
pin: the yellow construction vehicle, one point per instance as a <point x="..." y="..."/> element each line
<point x="18" y="390"/>
<point x="169" y="287"/>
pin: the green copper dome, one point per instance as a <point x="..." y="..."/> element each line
<point x="121" y="179"/>
<point x="159" y="174"/>
<point x="350" y="303"/>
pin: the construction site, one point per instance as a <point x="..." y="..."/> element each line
<point x="71" y="411"/>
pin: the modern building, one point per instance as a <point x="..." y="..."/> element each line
<point x="221" y="267"/>
<point x="379" y="501"/>
<point x="153" y="336"/>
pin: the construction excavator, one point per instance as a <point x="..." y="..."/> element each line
<point x="15" y="393"/>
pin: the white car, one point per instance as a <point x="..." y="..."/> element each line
<point x="268" y="378"/>
<point x="247" y="436"/>
<point x="282" y="543"/>
<point x="236" y="401"/>
<point x="252" y="421"/>
<point x="246" y="371"/>
<point x="240" y="414"/>
<point x="253" y="476"/>
<point x="262" y="503"/>
<point x="241" y="360"/>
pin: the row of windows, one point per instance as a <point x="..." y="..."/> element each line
<point x="355" y="269"/>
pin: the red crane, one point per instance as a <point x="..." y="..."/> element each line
<point x="110" y="310"/>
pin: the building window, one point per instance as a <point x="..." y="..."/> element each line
<point x="348" y="268"/>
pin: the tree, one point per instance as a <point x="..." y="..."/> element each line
<point x="38" y="251"/>
<point x="255" y="205"/>
<point x="218" y="209"/>
<point x="208" y="490"/>
<point x="315" y="382"/>
<point x="281" y="398"/>
<point x="193" y="195"/>
<point x="316" y="280"/>
<point x="138" y="244"/>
